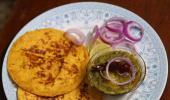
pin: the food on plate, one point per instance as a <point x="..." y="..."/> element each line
<point x="23" y="95"/>
<point x="50" y="64"/>
<point x="46" y="63"/>
<point x="115" y="66"/>
<point x="117" y="32"/>
<point x="117" y="29"/>
<point x="116" y="71"/>
<point x="83" y="92"/>
<point x="98" y="46"/>
<point x="75" y="35"/>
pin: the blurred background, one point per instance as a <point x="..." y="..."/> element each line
<point x="5" y="11"/>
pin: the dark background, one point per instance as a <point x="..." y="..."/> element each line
<point x="18" y="12"/>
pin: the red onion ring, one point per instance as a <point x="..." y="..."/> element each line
<point x="128" y="26"/>
<point x="123" y="74"/>
<point x="115" y="24"/>
<point x="92" y="37"/>
<point x="108" y="36"/>
<point x="121" y="19"/>
<point x="111" y="27"/>
<point x="95" y="33"/>
<point x="131" y="67"/>
<point x="104" y="76"/>
<point x="122" y="27"/>
<point x="75" y="35"/>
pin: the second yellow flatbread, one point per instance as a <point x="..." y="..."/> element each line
<point x="84" y="92"/>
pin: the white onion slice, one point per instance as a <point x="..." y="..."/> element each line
<point x="75" y="35"/>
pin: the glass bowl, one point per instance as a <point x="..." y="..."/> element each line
<point x="96" y="79"/>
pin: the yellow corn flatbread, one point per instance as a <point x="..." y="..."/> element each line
<point x="84" y="92"/>
<point x="45" y="63"/>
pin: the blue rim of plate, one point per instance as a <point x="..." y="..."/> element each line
<point x="83" y="5"/>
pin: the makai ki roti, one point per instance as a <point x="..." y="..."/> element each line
<point x="45" y="63"/>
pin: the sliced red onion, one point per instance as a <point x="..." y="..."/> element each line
<point x="95" y="34"/>
<point x="104" y="76"/>
<point x="132" y="68"/>
<point x="121" y="19"/>
<point x="124" y="74"/>
<point x="128" y="33"/>
<point x="75" y="35"/>
<point x="92" y="37"/>
<point x="115" y="24"/>
<point x="110" y="37"/>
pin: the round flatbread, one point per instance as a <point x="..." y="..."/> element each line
<point x="45" y="63"/>
<point x="83" y="92"/>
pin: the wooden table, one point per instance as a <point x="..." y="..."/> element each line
<point x="155" y="12"/>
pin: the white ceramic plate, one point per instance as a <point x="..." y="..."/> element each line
<point x="85" y="15"/>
